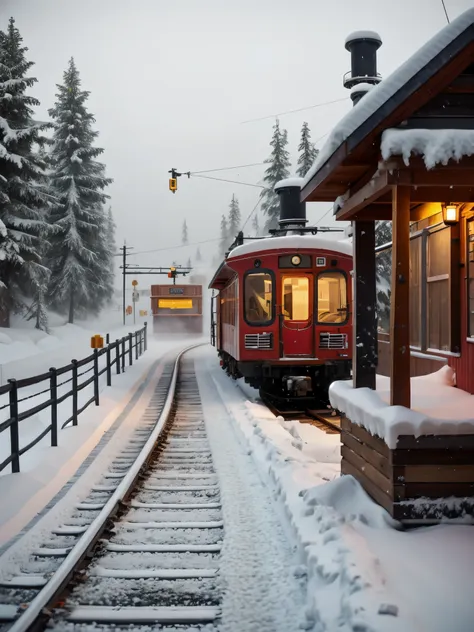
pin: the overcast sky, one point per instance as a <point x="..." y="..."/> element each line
<point x="172" y="82"/>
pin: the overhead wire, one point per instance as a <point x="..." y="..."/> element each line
<point x="253" y="164"/>
<point x="445" y="11"/>
<point x="247" y="184"/>
<point x="309" y="107"/>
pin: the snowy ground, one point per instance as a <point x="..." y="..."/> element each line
<point x="44" y="470"/>
<point x="363" y="573"/>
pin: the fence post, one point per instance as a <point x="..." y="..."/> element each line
<point x="136" y="345"/>
<point x="109" y="366"/>
<point x="14" y="435"/>
<point x="96" y="376"/>
<point x="144" y="334"/>
<point x="117" y="356"/>
<point x="74" y="392"/>
<point x="140" y="337"/>
<point x="130" y="349"/>
<point x="123" y="354"/>
<point x="53" y="390"/>
<point x="107" y="339"/>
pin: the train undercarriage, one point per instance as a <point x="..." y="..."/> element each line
<point x="288" y="384"/>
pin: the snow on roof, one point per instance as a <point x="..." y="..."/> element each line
<point x="363" y="35"/>
<point x="289" y="182"/>
<point x="438" y="408"/>
<point x="292" y="242"/>
<point x="387" y="88"/>
<point x="361" y="87"/>
<point x="435" y="145"/>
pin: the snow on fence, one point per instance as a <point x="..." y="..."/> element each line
<point x="101" y="361"/>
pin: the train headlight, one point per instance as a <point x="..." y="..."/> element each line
<point x="296" y="260"/>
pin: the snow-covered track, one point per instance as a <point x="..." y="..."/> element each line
<point x="149" y="555"/>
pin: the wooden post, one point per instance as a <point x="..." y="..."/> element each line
<point x="54" y="406"/>
<point x="455" y="289"/>
<point x="364" y="363"/>
<point x="400" y="299"/>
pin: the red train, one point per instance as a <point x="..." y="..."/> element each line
<point x="177" y="308"/>
<point x="282" y="315"/>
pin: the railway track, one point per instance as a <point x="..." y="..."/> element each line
<point x="143" y="547"/>
<point x="325" y="419"/>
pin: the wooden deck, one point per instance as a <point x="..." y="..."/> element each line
<point x="422" y="481"/>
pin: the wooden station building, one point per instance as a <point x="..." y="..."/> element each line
<point x="405" y="153"/>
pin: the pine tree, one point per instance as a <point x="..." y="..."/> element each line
<point x="78" y="257"/>
<point x="184" y="234"/>
<point x="188" y="264"/>
<point x="383" y="235"/>
<point x="224" y="240"/>
<point x="234" y="218"/>
<point x="23" y="194"/>
<point x="279" y="161"/>
<point x="307" y="150"/>
<point x="255" y="225"/>
<point x="198" y="254"/>
<point x="111" y="250"/>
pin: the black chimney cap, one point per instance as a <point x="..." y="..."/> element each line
<point x="357" y="36"/>
<point x="292" y="210"/>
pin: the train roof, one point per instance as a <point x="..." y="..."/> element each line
<point x="293" y="242"/>
<point x="289" y="243"/>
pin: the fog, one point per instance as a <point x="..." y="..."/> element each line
<point x="172" y="83"/>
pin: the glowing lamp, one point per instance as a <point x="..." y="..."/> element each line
<point x="450" y="214"/>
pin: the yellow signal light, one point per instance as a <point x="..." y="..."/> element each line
<point x="173" y="184"/>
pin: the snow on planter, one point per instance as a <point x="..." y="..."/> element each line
<point x="438" y="408"/>
<point x="436" y="146"/>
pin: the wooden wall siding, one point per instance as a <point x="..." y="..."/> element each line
<point x="418" y="366"/>
<point x="433" y="467"/>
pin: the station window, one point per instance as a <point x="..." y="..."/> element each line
<point x="295" y="298"/>
<point x="258" y="294"/>
<point x="470" y="272"/>
<point x="332" y="298"/>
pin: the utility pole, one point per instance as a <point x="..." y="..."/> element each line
<point x="124" y="267"/>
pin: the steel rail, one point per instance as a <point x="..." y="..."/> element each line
<point x="63" y="574"/>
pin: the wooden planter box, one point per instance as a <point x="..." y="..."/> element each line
<point x="428" y="467"/>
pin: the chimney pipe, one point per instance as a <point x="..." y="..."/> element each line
<point x="363" y="46"/>
<point x="292" y="210"/>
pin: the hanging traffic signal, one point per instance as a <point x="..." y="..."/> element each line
<point x="173" y="184"/>
<point x="172" y="273"/>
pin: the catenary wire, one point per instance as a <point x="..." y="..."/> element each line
<point x="309" y="107"/>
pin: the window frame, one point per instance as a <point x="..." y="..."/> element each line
<point x="469" y="333"/>
<point x="316" y="310"/>
<point x="248" y="273"/>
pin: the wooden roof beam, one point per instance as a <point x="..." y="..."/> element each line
<point x="368" y="194"/>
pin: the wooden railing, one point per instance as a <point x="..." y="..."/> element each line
<point x="114" y="355"/>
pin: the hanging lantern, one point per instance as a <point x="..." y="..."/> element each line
<point x="450" y="214"/>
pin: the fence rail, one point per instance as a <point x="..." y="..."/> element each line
<point x="89" y="368"/>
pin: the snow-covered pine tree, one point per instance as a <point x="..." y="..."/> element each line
<point x="256" y="225"/>
<point x="279" y="163"/>
<point x="224" y="239"/>
<point x="40" y="274"/>
<point x="383" y="235"/>
<point x="23" y="194"/>
<point x="111" y="251"/>
<point x="184" y="233"/>
<point x="198" y="254"/>
<point x="234" y="218"/>
<point x="308" y="152"/>
<point x="188" y="263"/>
<point x="77" y="258"/>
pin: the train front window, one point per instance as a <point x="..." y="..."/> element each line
<point x="332" y="298"/>
<point x="258" y="298"/>
<point x="295" y="298"/>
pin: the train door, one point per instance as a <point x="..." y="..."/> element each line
<point x="297" y="315"/>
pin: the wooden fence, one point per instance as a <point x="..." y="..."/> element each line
<point x="115" y="354"/>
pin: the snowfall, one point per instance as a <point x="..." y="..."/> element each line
<point x="304" y="547"/>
